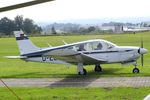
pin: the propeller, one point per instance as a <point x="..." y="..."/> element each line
<point x="142" y="56"/>
<point x="142" y="51"/>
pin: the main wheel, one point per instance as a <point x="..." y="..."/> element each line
<point x="136" y="70"/>
<point x="98" y="68"/>
<point x="84" y="72"/>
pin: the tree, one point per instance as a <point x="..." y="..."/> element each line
<point x="18" y="22"/>
<point x="91" y="29"/>
<point x="28" y="25"/>
<point x="37" y="29"/>
<point x="6" y="26"/>
<point x="82" y="30"/>
<point x="53" y="31"/>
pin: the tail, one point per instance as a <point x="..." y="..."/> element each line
<point x="24" y="44"/>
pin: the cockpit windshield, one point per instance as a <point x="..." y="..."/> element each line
<point x="109" y="45"/>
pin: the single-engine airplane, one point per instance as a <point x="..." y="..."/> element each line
<point x="90" y="52"/>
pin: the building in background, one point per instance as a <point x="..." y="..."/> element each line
<point x="118" y="29"/>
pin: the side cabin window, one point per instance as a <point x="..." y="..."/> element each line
<point x="81" y="47"/>
<point x="78" y="47"/>
<point x="95" y="46"/>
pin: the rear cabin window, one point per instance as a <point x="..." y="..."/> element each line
<point x="81" y="47"/>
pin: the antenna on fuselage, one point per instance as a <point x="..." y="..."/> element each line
<point x="49" y="45"/>
<point x="64" y="42"/>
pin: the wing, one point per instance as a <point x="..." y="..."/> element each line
<point x="87" y="60"/>
<point x="64" y="55"/>
<point x="74" y="57"/>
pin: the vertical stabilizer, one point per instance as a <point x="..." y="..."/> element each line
<point x="24" y="44"/>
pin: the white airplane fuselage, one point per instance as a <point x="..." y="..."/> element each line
<point x="90" y="52"/>
<point x="117" y="54"/>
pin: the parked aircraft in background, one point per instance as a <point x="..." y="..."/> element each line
<point x="91" y="52"/>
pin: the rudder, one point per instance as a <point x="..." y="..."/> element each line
<point x="24" y="44"/>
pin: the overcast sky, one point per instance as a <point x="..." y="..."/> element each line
<point x="80" y="9"/>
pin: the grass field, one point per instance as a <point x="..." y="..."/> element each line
<point x="121" y="93"/>
<point x="12" y="68"/>
<point x="19" y="69"/>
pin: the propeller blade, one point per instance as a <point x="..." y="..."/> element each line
<point x="142" y="56"/>
<point x="142" y="43"/>
<point x="142" y="60"/>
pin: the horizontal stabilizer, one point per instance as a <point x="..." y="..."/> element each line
<point x="15" y="57"/>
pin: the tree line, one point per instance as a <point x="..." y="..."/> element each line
<point x="67" y="28"/>
<point x="7" y="26"/>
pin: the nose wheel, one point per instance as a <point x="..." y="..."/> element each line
<point x="81" y="70"/>
<point x="136" y="70"/>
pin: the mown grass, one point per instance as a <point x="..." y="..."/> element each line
<point x="70" y="93"/>
<point x="15" y="68"/>
<point x="19" y="69"/>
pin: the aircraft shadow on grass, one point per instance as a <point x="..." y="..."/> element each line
<point x="82" y="81"/>
<point x="73" y="80"/>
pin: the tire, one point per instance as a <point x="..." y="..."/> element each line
<point x="84" y="72"/>
<point x="136" y="70"/>
<point x="98" y="68"/>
